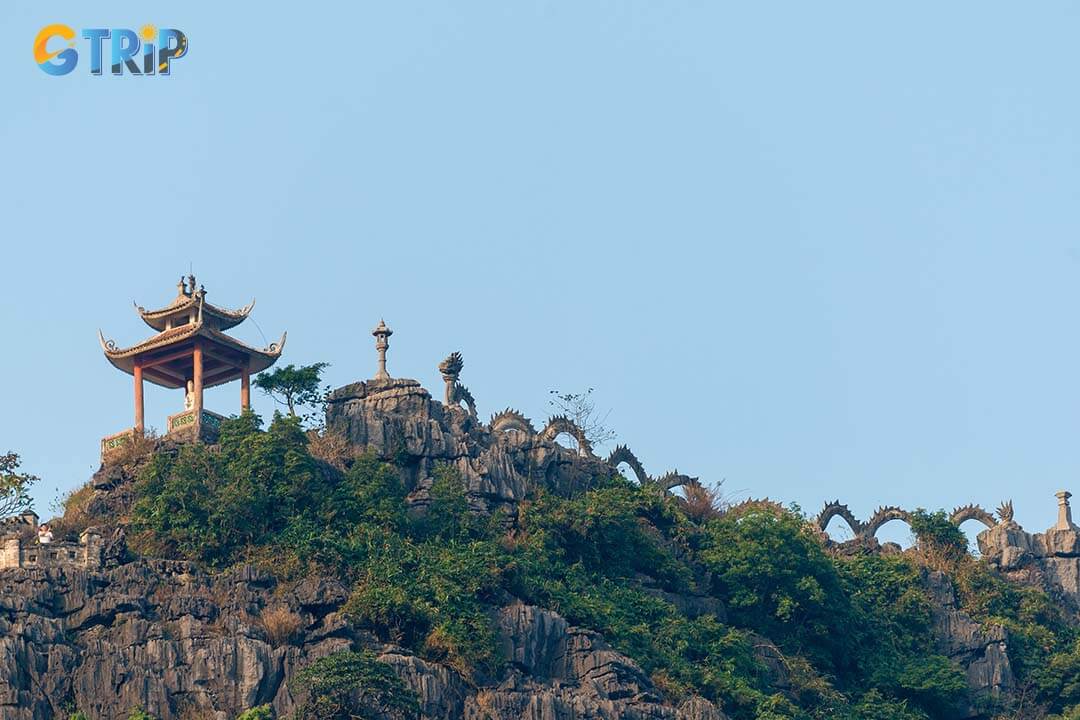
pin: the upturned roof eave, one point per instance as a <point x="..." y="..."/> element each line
<point x="226" y="318"/>
<point x="124" y="358"/>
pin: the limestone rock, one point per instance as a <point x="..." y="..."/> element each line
<point x="179" y="642"/>
<point x="980" y="651"/>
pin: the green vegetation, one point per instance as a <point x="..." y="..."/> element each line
<point x="262" y="712"/>
<point x="807" y="634"/>
<point x="350" y="686"/>
<point x="14" y="486"/>
<point x="294" y="387"/>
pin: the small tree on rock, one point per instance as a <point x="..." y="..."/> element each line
<point x="581" y="408"/>
<point x="295" y="387"/>
<point x="14" y="486"/>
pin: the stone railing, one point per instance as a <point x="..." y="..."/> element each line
<point x="182" y="427"/>
<point x="21" y="552"/>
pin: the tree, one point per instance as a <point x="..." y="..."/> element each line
<point x="348" y="685"/>
<point x="294" y="386"/>
<point x="14" y="486"/>
<point x="581" y="408"/>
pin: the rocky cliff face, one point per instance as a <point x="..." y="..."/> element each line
<point x="181" y="643"/>
<point x="400" y="422"/>
<point x="1049" y="560"/>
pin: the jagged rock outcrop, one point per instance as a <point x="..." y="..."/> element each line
<point x="172" y="639"/>
<point x="181" y="642"/>
<point x="982" y="651"/>
<point x="399" y="421"/>
<point x="1050" y="560"/>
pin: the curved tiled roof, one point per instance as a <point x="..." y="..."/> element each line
<point x="256" y="360"/>
<point x="183" y="303"/>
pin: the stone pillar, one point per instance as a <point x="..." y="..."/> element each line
<point x="9" y="553"/>
<point x="245" y="390"/>
<point x="1064" y="521"/>
<point x="139" y="407"/>
<point x="197" y="380"/>
<point x="382" y="344"/>
<point x="92" y="547"/>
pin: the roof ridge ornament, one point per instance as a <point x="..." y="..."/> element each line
<point x="279" y="345"/>
<point x="106" y="345"/>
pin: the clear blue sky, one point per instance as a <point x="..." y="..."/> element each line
<point x="816" y="250"/>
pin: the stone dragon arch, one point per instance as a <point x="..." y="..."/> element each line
<point x="510" y="419"/>
<point x="835" y="509"/>
<point x="560" y="424"/>
<point x="765" y="505"/>
<point x="883" y="515"/>
<point x="673" y="479"/>
<point x="971" y="512"/>
<point x="864" y="531"/>
<point x="460" y="394"/>
<point x="622" y="454"/>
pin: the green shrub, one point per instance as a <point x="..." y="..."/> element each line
<point x="262" y="712"/>
<point x="348" y="685"/>
<point x="854" y="635"/>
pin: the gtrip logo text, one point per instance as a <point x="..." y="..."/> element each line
<point x="150" y="51"/>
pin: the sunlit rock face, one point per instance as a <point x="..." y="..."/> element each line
<point x="178" y="642"/>
<point x="1050" y="560"/>
<point x="981" y="651"/>
<point x="399" y="421"/>
<point x="183" y="643"/>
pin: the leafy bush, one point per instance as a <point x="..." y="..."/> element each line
<point x="348" y="685"/>
<point x="262" y="712"/>
<point x="14" y="486"/>
<point x="941" y="545"/>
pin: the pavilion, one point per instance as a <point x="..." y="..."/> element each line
<point x="191" y="352"/>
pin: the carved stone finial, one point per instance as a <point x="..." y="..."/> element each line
<point x="451" y="370"/>
<point x="382" y="343"/>
<point x="1064" y="521"/>
<point x="181" y="288"/>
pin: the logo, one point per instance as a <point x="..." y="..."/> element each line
<point x="150" y="51"/>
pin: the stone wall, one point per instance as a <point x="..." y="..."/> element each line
<point x="22" y="552"/>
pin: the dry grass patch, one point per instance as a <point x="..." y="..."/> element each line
<point x="281" y="625"/>
<point x="703" y="502"/>
<point x="333" y="448"/>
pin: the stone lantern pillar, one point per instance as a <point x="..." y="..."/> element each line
<point x="382" y="344"/>
<point x="1064" y="521"/>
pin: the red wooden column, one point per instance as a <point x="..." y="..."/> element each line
<point x="245" y="390"/>
<point x="138" y="399"/>
<point x="197" y="381"/>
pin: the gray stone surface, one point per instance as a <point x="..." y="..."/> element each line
<point x="982" y="651"/>
<point x="399" y="421"/>
<point x="173" y="640"/>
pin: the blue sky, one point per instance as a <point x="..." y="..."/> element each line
<point x="814" y="250"/>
